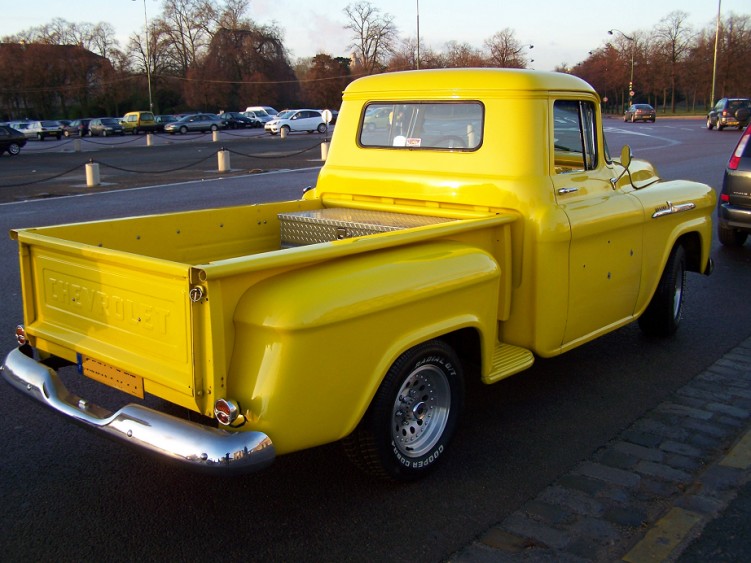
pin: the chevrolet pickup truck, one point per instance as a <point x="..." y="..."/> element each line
<point x="479" y="223"/>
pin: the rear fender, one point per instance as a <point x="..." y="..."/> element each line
<point x="312" y="345"/>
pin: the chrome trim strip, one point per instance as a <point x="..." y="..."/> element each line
<point x="671" y="208"/>
<point x="200" y="447"/>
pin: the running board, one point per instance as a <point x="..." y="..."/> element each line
<point x="508" y="360"/>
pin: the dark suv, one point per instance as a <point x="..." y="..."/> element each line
<point x="734" y="205"/>
<point x="729" y="112"/>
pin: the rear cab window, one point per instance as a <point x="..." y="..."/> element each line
<point x="422" y="125"/>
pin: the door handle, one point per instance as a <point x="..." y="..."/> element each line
<point x="563" y="191"/>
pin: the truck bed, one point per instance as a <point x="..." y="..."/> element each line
<point x="146" y="304"/>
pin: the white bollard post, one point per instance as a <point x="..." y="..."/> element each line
<point x="215" y="136"/>
<point x="77" y="145"/>
<point x="92" y="174"/>
<point x="325" y="150"/>
<point x="283" y="132"/>
<point x="224" y="161"/>
<point x="149" y="139"/>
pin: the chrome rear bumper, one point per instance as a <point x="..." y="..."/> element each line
<point x="200" y="447"/>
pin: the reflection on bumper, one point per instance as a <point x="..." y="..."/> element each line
<point x="200" y="447"/>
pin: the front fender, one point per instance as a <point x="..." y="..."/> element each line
<point x="312" y="345"/>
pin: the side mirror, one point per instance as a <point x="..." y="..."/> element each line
<point x="626" y="156"/>
<point x="625" y="162"/>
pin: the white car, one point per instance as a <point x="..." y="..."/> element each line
<point x="309" y="120"/>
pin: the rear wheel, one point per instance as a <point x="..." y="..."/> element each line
<point x="663" y="315"/>
<point x="321" y="128"/>
<point x="14" y="149"/>
<point x="413" y="415"/>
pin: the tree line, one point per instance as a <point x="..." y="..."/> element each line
<point x="209" y="55"/>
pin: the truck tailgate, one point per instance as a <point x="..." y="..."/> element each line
<point x="129" y="312"/>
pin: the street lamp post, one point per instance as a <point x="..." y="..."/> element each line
<point x="148" y="56"/>
<point x="418" y="34"/>
<point x="633" y="47"/>
<point x="714" y="61"/>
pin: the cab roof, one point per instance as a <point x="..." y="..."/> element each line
<point x="448" y="82"/>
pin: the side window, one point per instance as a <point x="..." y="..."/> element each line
<point x="574" y="136"/>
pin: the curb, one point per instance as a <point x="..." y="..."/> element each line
<point x="648" y="493"/>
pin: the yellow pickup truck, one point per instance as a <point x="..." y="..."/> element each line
<point x="479" y="223"/>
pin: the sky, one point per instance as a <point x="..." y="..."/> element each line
<point x="562" y="32"/>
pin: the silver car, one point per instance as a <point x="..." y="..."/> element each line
<point x="201" y="122"/>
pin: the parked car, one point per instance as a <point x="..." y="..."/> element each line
<point x="162" y="120"/>
<point x="729" y="112"/>
<point x="11" y="140"/>
<point x="236" y="120"/>
<point x="309" y="120"/>
<point x="376" y="118"/>
<point x="734" y="205"/>
<point x="197" y="122"/>
<point x="77" y="127"/>
<point x="105" y="127"/>
<point x="138" y="121"/>
<point x="42" y="130"/>
<point x="640" y="112"/>
<point x="260" y="117"/>
<point x="268" y="110"/>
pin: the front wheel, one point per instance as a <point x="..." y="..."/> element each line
<point x="410" y="422"/>
<point x="14" y="149"/>
<point x="663" y="315"/>
<point x="709" y="123"/>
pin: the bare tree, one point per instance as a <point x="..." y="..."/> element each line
<point x="462" y="55"/>
<point x="185" y="30"/>
<point x="374" y="35"/>
<point x="674" y="37"/>
<point x="506" y="51"/>
<point x="232" y="15"/>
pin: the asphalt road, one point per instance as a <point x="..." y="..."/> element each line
<point x="69" y="495"/>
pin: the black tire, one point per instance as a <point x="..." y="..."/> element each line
<point x="731" y="237"/>
<point x="709" y="123"/>
<point x="215" y="128"/>
<point x="14" y="149"/>
<point x="321" y="128"/>
<point x="409" y="424"/>
<point x="104" y="132"/>
<point x="40" y="137"/>
<point x="663" y="315"/>
<point x="183" y="130"/>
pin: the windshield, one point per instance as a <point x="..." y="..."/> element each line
<point x="285" y="114"/>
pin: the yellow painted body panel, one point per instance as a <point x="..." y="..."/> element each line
<point x="206" y="304"/>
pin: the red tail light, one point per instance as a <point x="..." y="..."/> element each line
<point x="738" y="152"/>
<point x="226" y="411"/>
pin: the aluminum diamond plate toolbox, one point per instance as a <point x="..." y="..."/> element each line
<point x="324" y="225"/>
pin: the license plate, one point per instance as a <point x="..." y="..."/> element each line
<point x="112" y="376"/>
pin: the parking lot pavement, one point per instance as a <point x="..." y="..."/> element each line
<point x="674" y="486"/>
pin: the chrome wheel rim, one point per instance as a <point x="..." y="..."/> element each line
<point x="421" y="411"/>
